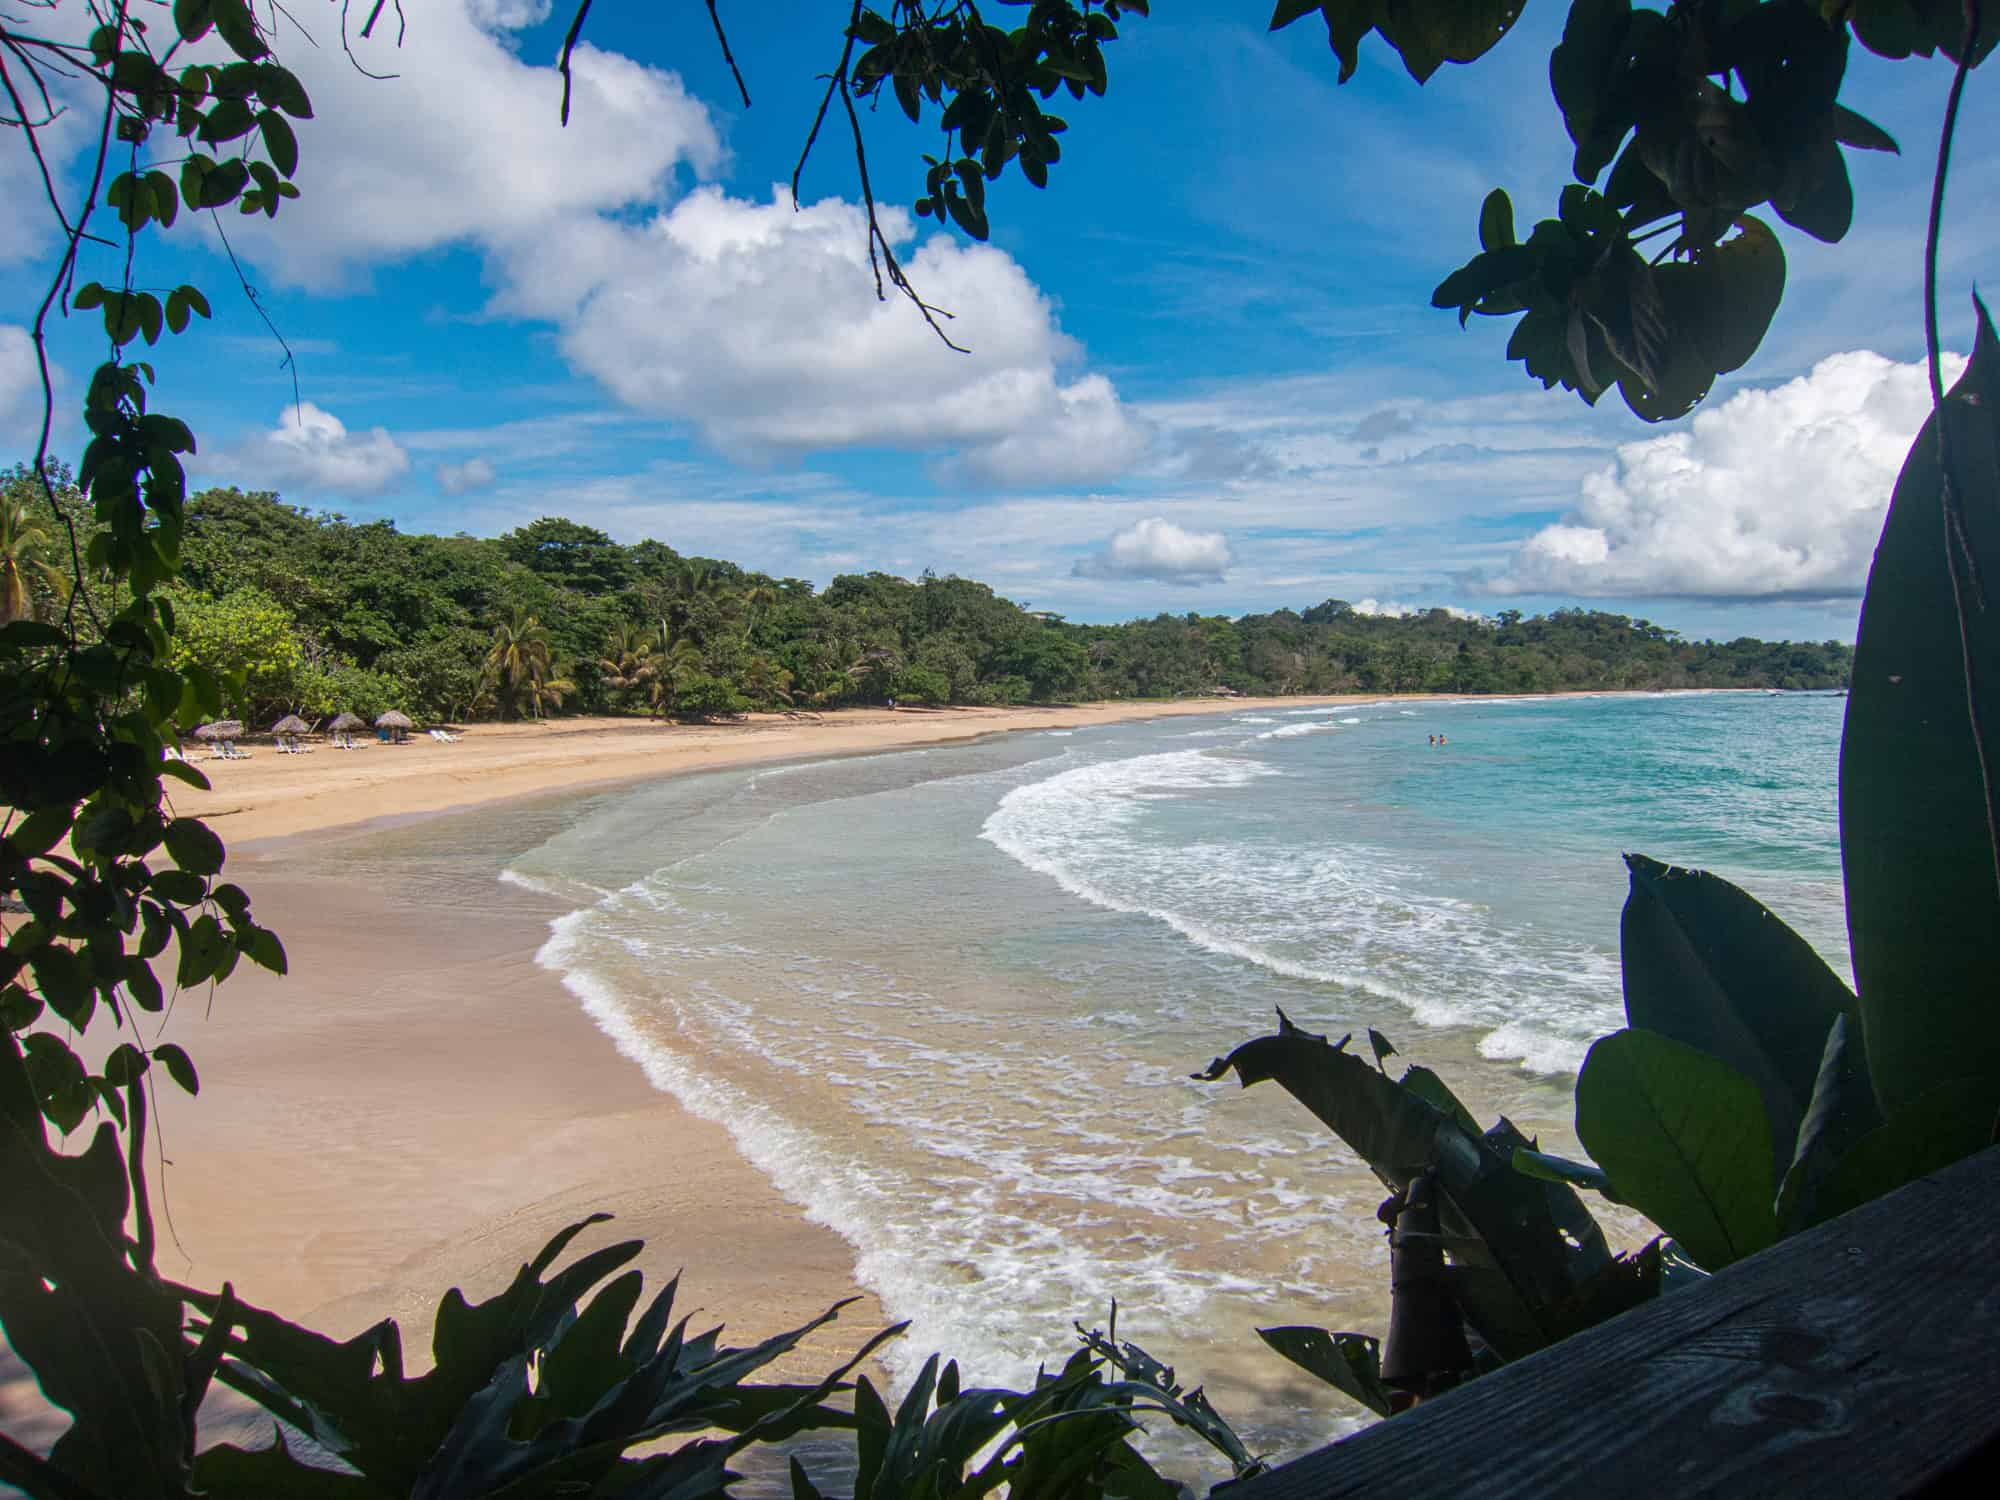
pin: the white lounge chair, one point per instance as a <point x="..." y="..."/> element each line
<point x="443" y="738"/>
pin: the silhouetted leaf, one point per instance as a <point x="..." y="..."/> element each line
<point x="194" y="846"/>
<point x="179" y="1066"/>
<point x="1349" y="1362"/>
<point x="1842" y="1110"/>
<point x="1929" y="1132"/>
<point x="1922" y="906"/>
<point x="1708" y="965"/>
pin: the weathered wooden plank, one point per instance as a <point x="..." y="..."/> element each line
<point x="1862" y="1358"/>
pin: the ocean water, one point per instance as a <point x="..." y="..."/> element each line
<point x="949" y="999"/>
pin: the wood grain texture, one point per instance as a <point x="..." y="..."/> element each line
<point x="1859" y="1359"/>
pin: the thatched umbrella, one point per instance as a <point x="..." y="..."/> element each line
<point x="395" y="721"/>
<point x="223" y="732"/>
<point x="343" y="727"/>
<point x="291" y="724"/>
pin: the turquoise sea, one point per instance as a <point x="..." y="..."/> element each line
<point x="948" y="1000"/>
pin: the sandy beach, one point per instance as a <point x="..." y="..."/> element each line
<point x="418" y="1106"/>
<point x="272" y="795"/>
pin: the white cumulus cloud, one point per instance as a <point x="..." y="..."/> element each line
<point x="464" y="144"/>
<point x="459" y="479"/>
<point x="1774" y="493"/>
<point x="1393" y="610"/>
<point x="759" y="323"/>
<point x="508" y="15"/>
<point x="311" y="449"/>
<point x="1158" y="549"/>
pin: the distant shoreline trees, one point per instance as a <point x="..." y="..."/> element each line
<point x="311" y="613"/>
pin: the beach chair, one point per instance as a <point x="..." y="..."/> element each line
<point x="443" y="738"/>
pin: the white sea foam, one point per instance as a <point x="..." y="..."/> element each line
<point x="1334" y="914"/>
<point x="1293" y="731"/>
<point x="988" y="1278"/>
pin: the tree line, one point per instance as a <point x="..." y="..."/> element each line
<point x="307" y="612"/>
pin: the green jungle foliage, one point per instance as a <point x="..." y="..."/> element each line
<point x="1751" y="1095"/>
<point x="309" y="613"/>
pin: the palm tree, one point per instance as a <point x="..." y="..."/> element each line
<point x="693" y="583"/>
<point x="519" y="662"/>
<point x="670" y="661"/>
<point x="765" y="682"/>
<point x="757" y="601"/>
<point x="24" y="541"/>
<point x="627" y="659"/>
<point x="877" y="665"/>
<point x="545" y="694"/>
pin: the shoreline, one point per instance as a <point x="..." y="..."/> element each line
<point x="272" y="797"/>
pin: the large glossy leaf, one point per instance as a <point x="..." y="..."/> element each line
<point x="1842" y="1111"/>
<point x="1596" y="113"/>
<point x="1707" y="964"/>
<point x="1922" y="903"/>
<point x="1349" y="1362"/>
<point x="1928" y="1132"/>
<point x="1683" y="1137"/>
<point x="1735" y="291"/>
<point x="1527" y="1244"/>
<point x="1388" y="1126"/>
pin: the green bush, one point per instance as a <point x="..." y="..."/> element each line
<point x="706" y="696"/>
<point x="921" y="685"/>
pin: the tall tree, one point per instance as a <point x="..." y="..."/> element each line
<point x="519" y="664"/>
<point x="26" y="542"/>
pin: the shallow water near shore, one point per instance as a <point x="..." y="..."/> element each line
<point x="948" y="1000"/>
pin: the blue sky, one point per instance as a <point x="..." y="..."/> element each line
<point x="1204" y="375"/>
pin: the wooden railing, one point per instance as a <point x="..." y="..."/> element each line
<point x="1859" y="1359"/>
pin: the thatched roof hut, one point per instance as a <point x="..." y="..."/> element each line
<point x="394" y="719"/>
<point x="221" y="729"/>
<point x="291" y="724"/>
<point x="344" y="722"/>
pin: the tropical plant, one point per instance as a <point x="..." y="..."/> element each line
<point x="671" y="662"/>
<point x="756" y="601"/>
<point x="874" y="671"/>
<point x="247" y="640"/>
<point x="765" y="683"/>
<point x="626" y="663"/>
<point x="922" y="685"/>
<point x="520" y="665"/>
<point x="25" y="545"/>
